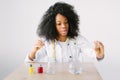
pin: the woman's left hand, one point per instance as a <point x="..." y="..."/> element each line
<point x="99" y="49"/>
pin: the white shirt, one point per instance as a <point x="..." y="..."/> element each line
<point x="63" y="50"/>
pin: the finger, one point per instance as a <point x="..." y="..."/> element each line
<point x="39" y="43"/>
<point x="96" y="44"/>
<point x="101" y="48"/>
<point x="39" y="46"/>
<point x="101" y="44"/>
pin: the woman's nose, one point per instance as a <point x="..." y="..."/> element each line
<point x="63" y="25"/>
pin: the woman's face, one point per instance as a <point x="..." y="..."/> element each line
<point x="62" y="25"/>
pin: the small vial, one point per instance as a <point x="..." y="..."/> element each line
<point x="31" y="69"/>
<point x="40" y="69"/>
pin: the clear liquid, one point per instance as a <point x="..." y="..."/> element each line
<point x="75" y="67"/>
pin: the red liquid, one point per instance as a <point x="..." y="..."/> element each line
<point x="40" y="69"/>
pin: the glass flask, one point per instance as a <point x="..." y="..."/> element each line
<point x="51" y="66"/>
<point x="75" y="60"/>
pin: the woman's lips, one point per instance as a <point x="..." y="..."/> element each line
<point x="64" y="31"/>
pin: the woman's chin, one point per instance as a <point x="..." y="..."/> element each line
<point x="64" y="34"/>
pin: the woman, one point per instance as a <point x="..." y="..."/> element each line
<point x="59" y="33"/>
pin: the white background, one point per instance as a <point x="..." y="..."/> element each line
<point x="99" y="20"/>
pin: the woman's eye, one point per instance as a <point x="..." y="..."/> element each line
<point x="66" y="22"/>
<point x="58" y="24"/>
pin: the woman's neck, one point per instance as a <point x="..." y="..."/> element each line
<point x="62" y="38"/>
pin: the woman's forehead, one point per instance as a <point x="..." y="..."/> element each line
<point x="60" y="17"/>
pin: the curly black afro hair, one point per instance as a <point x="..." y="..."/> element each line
<point x="47" y="27"/>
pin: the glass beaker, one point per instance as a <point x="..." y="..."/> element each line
<point x="51" y="66"/>
<point x="75" y="60"/>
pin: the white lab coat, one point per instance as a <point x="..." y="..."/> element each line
<point x="62" y="51"/>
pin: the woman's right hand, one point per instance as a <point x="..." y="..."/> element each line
<point x="38" y="44"/>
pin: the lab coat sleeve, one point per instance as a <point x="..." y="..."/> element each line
<point x="27" y="58"/>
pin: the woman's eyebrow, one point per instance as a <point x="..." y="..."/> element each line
<point x="60" y="21"/>
<point x="57" y="20"/>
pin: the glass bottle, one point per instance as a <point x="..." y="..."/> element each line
<point x="75" y="61"/>
<point x="51" y="66"/>
<point x="40" y="69"/>
<point x="75" y="66"/>
<point x="31" y="69"/>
